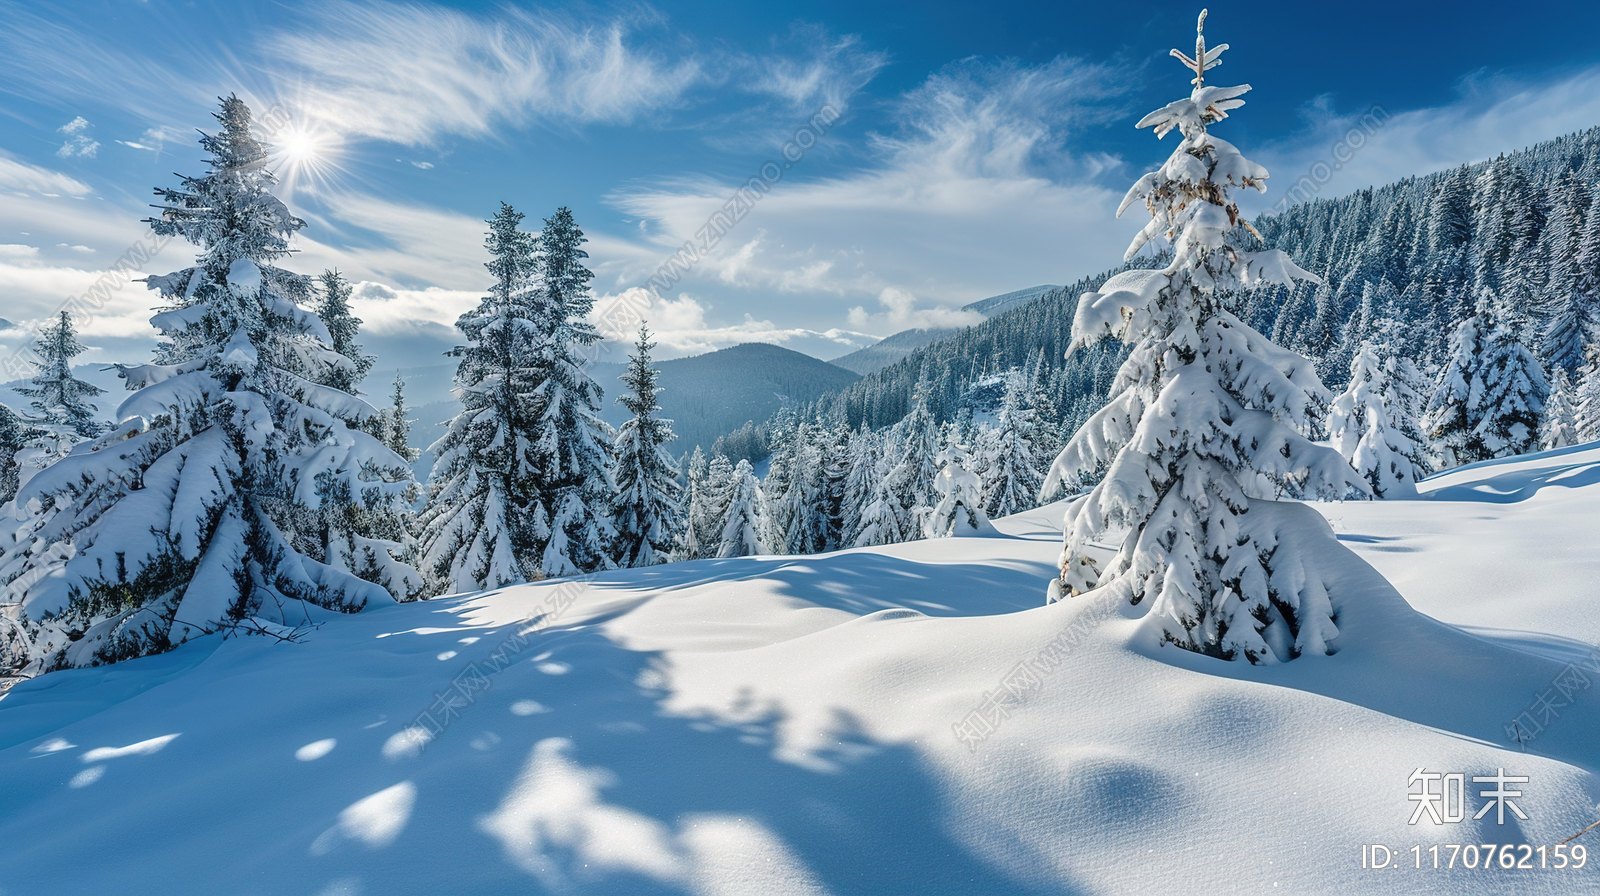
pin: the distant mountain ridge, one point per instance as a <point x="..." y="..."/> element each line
<point x="900" y="345"/>
<point x="715" y="393"/>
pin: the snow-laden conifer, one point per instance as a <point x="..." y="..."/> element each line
<point x="1202" y="412"/>
<point x="742" y="523"/>
<point x="1490" y="394"/>
<point x="917" y="444"/>
<point x="1586" y="411"/>
<point x="572" y="446"/>
<point x="1010" y="480"/>
<point x="692" y="535"/>
<point x="717" y="492"/>
<point x="344" y="328"/>
<point x="860" y="483"/>
<point x="62" y="402"/>
<point x="648" y="494"/>
<point x="959" y="511"/>
<point x="1559" y="428"/>
<point x="1360" y="426"/>
<point x="396" y="426"/>
<point x="487" y="522"/>
<point x="204" y="504"/>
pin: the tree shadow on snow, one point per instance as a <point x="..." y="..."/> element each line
<point x="600" y="792"/>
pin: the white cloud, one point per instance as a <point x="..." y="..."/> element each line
<point x="411" y="74"/>
<point x="78" y="143"/>
<point x="155" y="139"/>
<point x="387" y="311"/>
<point x="679" y="326"/>
<point x="979" y="192"/>
<point x="901" y="313"/>
<point x="23" y="177"/>
<point x="827" y="69"/>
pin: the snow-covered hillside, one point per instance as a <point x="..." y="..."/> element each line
<point x="781" y="725"/>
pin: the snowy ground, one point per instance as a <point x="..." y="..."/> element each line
<point x="784" y="725"/>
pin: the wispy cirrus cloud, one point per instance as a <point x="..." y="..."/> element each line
<point x="981" y="187"/>
<point x="21" y="177"/>
<point x="410" y="73"/>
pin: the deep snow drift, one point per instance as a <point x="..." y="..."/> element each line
<point x="789" y="725"/>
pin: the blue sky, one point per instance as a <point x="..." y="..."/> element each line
<point x="981" y="149"/>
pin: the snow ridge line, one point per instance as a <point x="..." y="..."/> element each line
<point x="1028" y="676"/>
<point x="473" y="679"/>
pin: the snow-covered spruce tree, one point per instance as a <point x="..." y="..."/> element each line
<point x="486" y="522"/>
<point x="61" y="401"/>
<point x="648" y="494"/>
<point x="1203" y="410"/>
<point x="833" y="447"/>
<point x="716" y="492"/>
<point x="959" y="512"/>
<point x="1490" y="395"/>
<point x="1586" y="411"/>
<point x="182" y="519"/>
<point x="62" y="414"/>
<point x="1010" y="480"/>
<point x="1559" y="427"/>
<point x="884" y="519"/>
<point x="571" y="444"/>
<point x="396" y="430"/>
<point x="691" y="535"/>
<point x="1568" y="304"/>
<point x="860" y="482"/>
<point x="344" y="327"/>
<point x="1360" y="428"/>
<point x="792" y="496"/>
<point x="742" y="523"/>
<point x="917" y="445"/>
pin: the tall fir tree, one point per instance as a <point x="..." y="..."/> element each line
<point x="742" y="524"/>
<point x="1203" y="410"/>
<point x="1586" y="409"/>
<point x="61" y="401"/>
<point x="486" y="523"/>
<point x="917" y="445"/>
<point x="1490" y="395"/>
<point x="1010" y="479"/>
<point x="344" y="328"/>
<point x="572" y="446"/>
<point x="860" y="483"/>
<point x="1360" y="427"/>
<point x="717" y="493"/>
<point x="186" y="517"/>
<point x="1559" y="428"/>
<point x="691" y="534"/>
<point x="396" y="429"/>
<point x="648" y="494"/>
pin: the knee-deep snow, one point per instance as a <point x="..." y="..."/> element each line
<point x="845" y="723"/>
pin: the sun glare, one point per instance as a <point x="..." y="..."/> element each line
<point x="305" y="156"/>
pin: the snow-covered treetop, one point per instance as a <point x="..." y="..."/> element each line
<point x="1188" y="196"/>
<point x="228" y="211"/>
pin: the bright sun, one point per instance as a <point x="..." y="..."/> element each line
<point x="305" y="155"/>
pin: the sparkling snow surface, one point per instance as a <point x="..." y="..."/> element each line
<point x="784" y="725"/>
